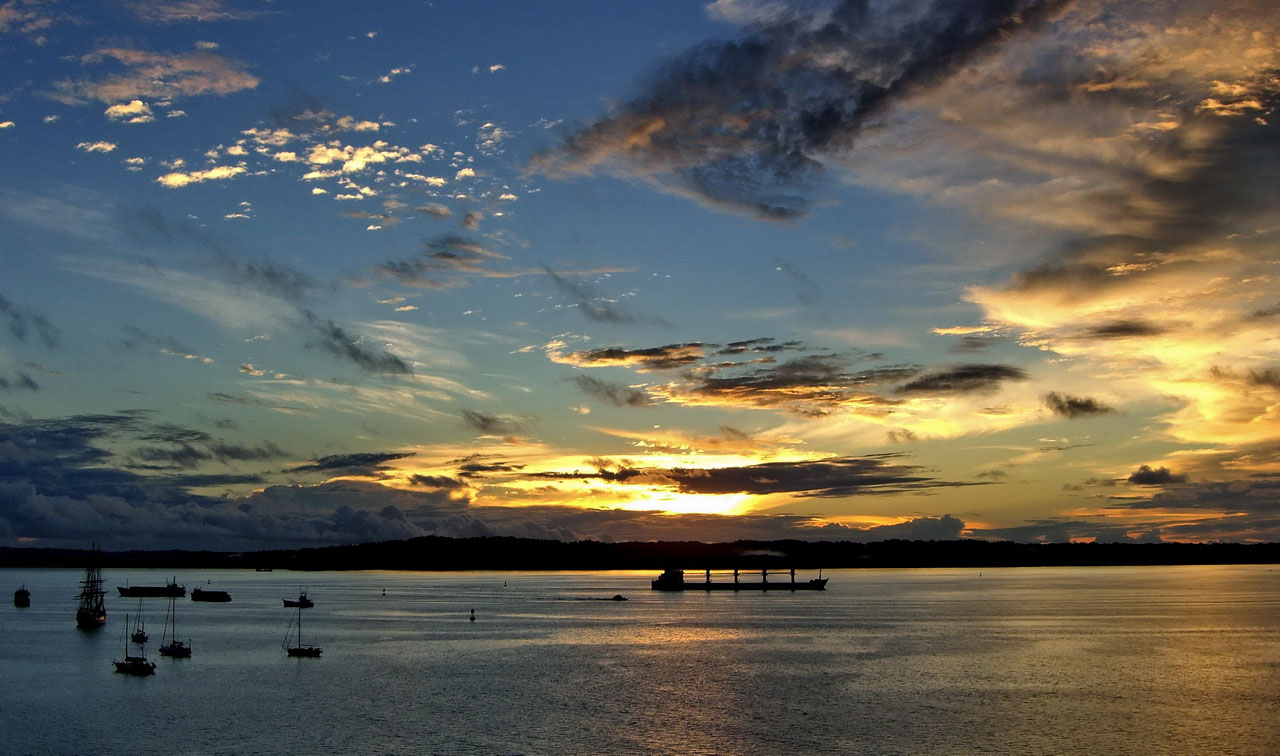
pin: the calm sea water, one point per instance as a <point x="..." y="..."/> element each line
<point x="1170" y="660"/>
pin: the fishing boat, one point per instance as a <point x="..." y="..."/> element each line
<point x="202" y="594"/>
<point x="139" y="629"/>
<point x="673" y="580"/>
<point x="173" y="648"/>
<point x="134" y="665"/>
<point x="302" y="602"/>
<point x="293" y="645"/>
<point x="22" y="597"/>
<point x="92" y="613"/>
<point x="152" y="591"/>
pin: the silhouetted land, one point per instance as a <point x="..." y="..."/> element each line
<point x="498" y="553"/>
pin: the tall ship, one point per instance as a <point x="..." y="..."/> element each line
<point x="674" y="580"/>
<point x="92" y="613"/>
<point x="153" y="591"/>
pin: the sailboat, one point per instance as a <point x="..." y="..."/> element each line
<point x="298" y="649"/>
<point x="92" y="613"/>
<point x="139" y="629"/>
<point x="134" y="665"/>
<point x="173" y="648"/>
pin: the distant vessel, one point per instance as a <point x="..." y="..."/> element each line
<point x="262" y="569"/>
<point x="200" y="594"/>
<point x="134" y="665"/>
<point x="673" y="580"/>
<point x="152" y="591"/>
<point x="302" y="602"/>
<point x="294" y="634"/>
<point x="139" y="629"/>
<point x="174" y="648"/>
<point x="92" y="613"/>
<point x="22" y="597"/>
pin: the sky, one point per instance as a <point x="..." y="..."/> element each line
<point x="280" y="274"/>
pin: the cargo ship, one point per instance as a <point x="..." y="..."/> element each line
<point x="152" y="591"/>
<point x="673" y="580"/>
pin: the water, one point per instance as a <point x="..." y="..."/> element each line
<point x="1026" y="661"/>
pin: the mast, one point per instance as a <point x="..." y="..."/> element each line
<point x="93" y="611"/>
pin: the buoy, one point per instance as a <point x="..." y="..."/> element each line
<point x="473" y="615"/>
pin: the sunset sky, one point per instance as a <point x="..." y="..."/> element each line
<point x="291" y="274"/>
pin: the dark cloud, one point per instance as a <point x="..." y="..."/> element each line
<point x="471" y="221"/>
<point x="1075" y="406"/>
<point x="963" y="380"/>
<point x="435" y="211"/>
<point x="436" y="481"/>
<point x="442" y="263"/>
<point x="1146" y="476"/>
<point x="1123" y="329"/>
<point x="612" y="393"/>
<point x="490" y="424"/>
<point x="338" y="342"/>
<point x="813" y="385"/>
<point x="21" y="382"/>
<point x="370" y="464"/>
<point x="653" y="358"/>
<point x="745" y="124"/>
<point x="968" y="344"/>
<point x="594" y="307"/>
<point x="944" y="528"/>
<point x="831" y="477"/>
<point x="22" y="321"/>
<point x="760" y="346"/>
<point x="478" y="465"/>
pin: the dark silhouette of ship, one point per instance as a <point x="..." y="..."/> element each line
<point x="152" y="591"/>
<point x="92" y="613"/>
<point x="673" y="580"/>
<point x="201" y="594"/>
<point x="22" y="597"/>
<point x="301" y="602"/>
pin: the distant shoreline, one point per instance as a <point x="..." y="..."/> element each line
<point x="434" y="554"/>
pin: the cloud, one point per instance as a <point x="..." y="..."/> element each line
<point x="745" y="124"/>
<point x="21" y="321"/>
<point x="494" y="425"/>
<point x="1074" y="406"/>
<point x="592" y="306"/>
<point x="1160" y="476"/>
<point x="184" y="11"/>
<point x="134" y="111"/>
<point x="365" y="464"/>
<point x="156" y="76"/>
<point x="337" y="342"/>
<point x="963" y="379"/>
<point x="179" y="179"/>
<point x="103" y="147"/>
<point x="654" y="358"/>
<point x="612" y="393"/>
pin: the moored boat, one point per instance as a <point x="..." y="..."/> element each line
<point x="302" y="602"/>
<point x="169" y="644"/>
<point x="673" y="580"/>
<point x="293" y="645"/>
<point x="139" y="629"/>
<point x="201" y="594"/>
<point x="152" y="591"/>
<point x="22" y="597"/>
<point x="134" y="665"/>
<point x="92" y="613"/>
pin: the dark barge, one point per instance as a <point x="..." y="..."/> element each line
<point x="673" y="580"/>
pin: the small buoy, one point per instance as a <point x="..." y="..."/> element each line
<point x="384" y="591"/>
<point x="473" y="615"/>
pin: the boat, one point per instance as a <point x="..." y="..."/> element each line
<point x="139" y="629"/>
<point x="92" y="613"/>
<point x="201" y="594"/>
<point x="174" y="648"/>
<point x="673" y="580"/>
<point x="294" y="634"/>
<point x="262" y="569"/>
<point x="152" y="591"/>
<point x="134" y="665"/>
<point x="22" y="597"/>
<point x="302" y="602"/>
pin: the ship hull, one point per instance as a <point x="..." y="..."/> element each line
<point x="151" y="591"/>
<point x="810" y="585"/>
<point x="214" y="596"/>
